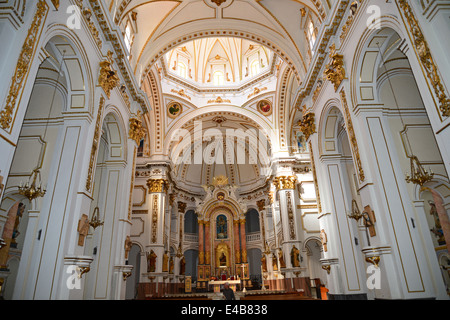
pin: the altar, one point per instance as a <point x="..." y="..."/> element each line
<point x="217" y="284"/>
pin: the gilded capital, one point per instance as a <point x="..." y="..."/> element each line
<point x="285" y="182"/>
<point x="157" y="185"/>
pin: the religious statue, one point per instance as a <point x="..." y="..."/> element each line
<point x="274" y="262"/>
<point x="165" y="267"/>
<point x="182" y="266"/>
<point x="127" y="246"/>
<point x="223" y="260"/>
<point x="171" y="265"/>
<point x="151" y="261"/>
<point x="83" y="229"/>
<point x="16" y="224"/>
<point x="323" y="240"/>
<point x="437" y="229"/>
<point x="281" y="258"/>
<point x="369" y="220"/>
<point x="264" y="263"/>
<point x="295" y="253"/>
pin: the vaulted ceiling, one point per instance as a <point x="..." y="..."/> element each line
<point x="262" y="50"/>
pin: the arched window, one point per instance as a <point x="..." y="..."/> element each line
<point x="128" y="37"/>
<point x="218" y="78"/>
<point x="312" y="34"/>
<point x="182" y="70"/>
<point x="255" y="67"/>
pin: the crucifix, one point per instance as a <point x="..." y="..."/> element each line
<point x="369" y="222"/>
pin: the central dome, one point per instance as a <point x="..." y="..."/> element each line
<point x="220" y="62"/>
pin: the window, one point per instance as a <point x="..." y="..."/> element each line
<point x="182" y="70"/>
<point x="311" y="35"/>
<point x="128" y="37"/>
<point x="218" y="78"/>
<point x="255" y="68"/>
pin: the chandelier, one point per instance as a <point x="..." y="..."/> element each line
<point x="418" y="174"/>
<point x="95" y="221"/>
<point x="356" y="214"/>
<point x="31" y="190"/>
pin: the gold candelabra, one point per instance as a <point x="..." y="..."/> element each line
<point x="30" y="189"/>
<point x="418" y="174"/>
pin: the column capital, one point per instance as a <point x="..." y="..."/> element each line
<point x="285" y="182"/>
<point x="157" y="185"/>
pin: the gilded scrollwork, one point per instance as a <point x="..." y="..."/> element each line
<point x="425" y="57"/>
<point x="23" y="65"/>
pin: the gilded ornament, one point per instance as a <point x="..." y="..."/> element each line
<point x="108" y="78"/>
<point x="155" y="212"/>
<point x="157" y="185"/>
<point x="352" y="136"/>
<point x="181" y="207"/>
<point x="308" y="125"/>
<point x="95" y="144"/>
<point x="425" y="57"/>
<point x="23" y="65"/>
<point x="375" y="260"/>
<point x="137" y="131"/>
<point x="334" y="71"/>
<point x="327" y="268"/>
<point x="290" y="216"/>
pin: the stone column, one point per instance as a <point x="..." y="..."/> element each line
<point x="243" y="242"/>
<point x="237" y="246"/>
<point x="201" y="240"/>
<point x="207" y="243"/>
